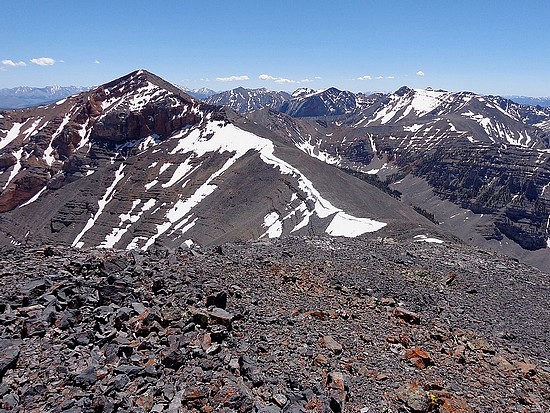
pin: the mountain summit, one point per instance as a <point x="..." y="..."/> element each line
<point x="137" y="162"/>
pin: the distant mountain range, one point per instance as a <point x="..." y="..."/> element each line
<point x="248" y="100"/>
<point x="526" y="100"/>
<point x="200" y="94"/>
<point x="138" y="162"/>
<point x="25" y="97"/>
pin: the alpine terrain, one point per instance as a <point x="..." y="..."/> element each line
<point x="137" y="162"/>
<point x="321" y="251"/>
<point x="478" y="165"/>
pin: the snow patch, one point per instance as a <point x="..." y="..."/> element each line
<point x="13" y="133"/>
<point x="273" y="224"/>
<point x="164" y="167"/>
<point x="425" y="101"/>
<point x="151" y="184"/>
<point x="34" y="198"/>
<point x="414" y="128"/>
<point x="315" y="152"/>
<point x="425" y="238"/>
<point x="16" y="167"/>
<point x="182" y="170"/>
<point x="126" y="221"/>
<point x="345" y="225"/>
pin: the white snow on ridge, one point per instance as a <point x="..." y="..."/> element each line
<point x="274" y="225"/>
<point x="13" y="133"/>
<point x="421" y="102"/>
<point x="136" y="100"/>
<point x="219" y="138"/>
<point x="229" y="138"/>
<point x="107" y="197"/>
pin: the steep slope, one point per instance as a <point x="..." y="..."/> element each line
<point x="247" y="100"/>
<point x="137" y="162"/>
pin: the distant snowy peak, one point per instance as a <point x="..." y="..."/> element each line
<point x="324" y="102"/>
<point x="408" y="103"/>
<point x="303" y="91"/>
<point x="437" y="114"/>
<point x="139" y="107"/>
<point x="200" y="94"/>
<point x="26" y="97"/>
<point x="528" y="100"/>
<point x="248" y="100"/>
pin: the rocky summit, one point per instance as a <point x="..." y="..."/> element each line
<point x="295" y="325"/>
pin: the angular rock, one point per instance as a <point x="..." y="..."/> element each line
<point x="219" y="300"/>
<point x="9" y="354"/>
<point x="414" y="396"/>
<point x="220" y="316"/>
<point x="330" y="343"/>
<point x="408" y="316"/>
<point x="419" y="357"/>
<point x="86" y="378"/>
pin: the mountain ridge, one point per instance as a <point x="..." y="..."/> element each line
<point x="484" y="154"/>
<point x="129" y="163"/>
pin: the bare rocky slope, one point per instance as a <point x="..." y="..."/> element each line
<point x="293" y="325"/>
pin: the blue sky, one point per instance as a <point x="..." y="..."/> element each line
<point x="486" y="46"/>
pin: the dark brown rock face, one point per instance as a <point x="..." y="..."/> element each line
<point x="152" y="120"/>
<point x="58" y="138"/>
<point x="7" y="160"/>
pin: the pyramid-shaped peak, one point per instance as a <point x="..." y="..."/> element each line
<point x="141" y="78"/>
<point x="403" y="90"/>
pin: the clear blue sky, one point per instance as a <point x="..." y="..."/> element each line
<point x="486" y="46"/>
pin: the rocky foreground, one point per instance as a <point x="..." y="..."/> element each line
<point x="294" y="325"/>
